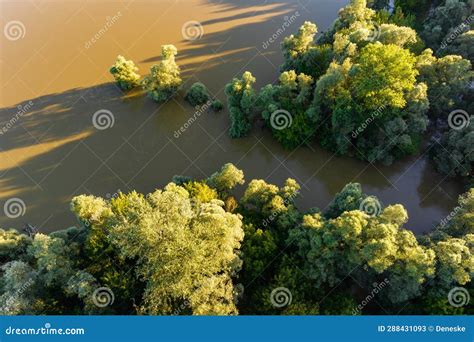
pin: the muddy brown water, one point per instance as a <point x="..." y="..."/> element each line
<point x="58" y="71"/>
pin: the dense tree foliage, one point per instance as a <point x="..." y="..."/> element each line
<point x="125" y="73"/>
<point x="454" y="153"/>
<point x="197" y="94"/>
<point x="240" y="98"/>
<point x="186" y="249"/>
<point x="164" y="79"/>
<point x="417" y="7"/>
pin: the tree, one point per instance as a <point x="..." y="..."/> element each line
<point x="397" y="17"/>
<point x="302" y="55"/>
<point x="372" y="106"/>
<point x="186" y="256"/>
<point x="164" y="79"/>
<point x="284" y="108"/>
<point x="125" y="73"/>
<point x="392" y="75"/>
<point x="295" y="46"/>
<point x="197" y="94"/>
<point x="448" y="80"/>
<point x="200" y="191"/>
<point x="177" y="251"/>
<point x="348" y="199"/>
<point x="455" y="261"/>
<point x="240" y="99"/>
<point x="417" y="7"/>
<point x="444" y="21"/>
<point x="462" y="222"/>
<point x="217" y="106"/>
<point x="227" y="178"/>
<point x="462" y="46"/>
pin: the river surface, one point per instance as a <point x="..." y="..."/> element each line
<point x="58" y="71"/>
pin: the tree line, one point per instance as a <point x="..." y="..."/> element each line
<point x="193" y="248"/>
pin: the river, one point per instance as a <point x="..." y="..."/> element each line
<point x="58" y="71"/>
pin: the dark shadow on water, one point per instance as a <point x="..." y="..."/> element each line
<point x="54" y="152"/>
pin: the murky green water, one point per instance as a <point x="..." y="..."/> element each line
<point x="53" y="151"/>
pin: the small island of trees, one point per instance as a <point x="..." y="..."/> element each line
<point x="378" y="85"/>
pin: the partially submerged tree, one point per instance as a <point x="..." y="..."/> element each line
<point x="454" y="153"/>
<point x="164" y="79"/>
